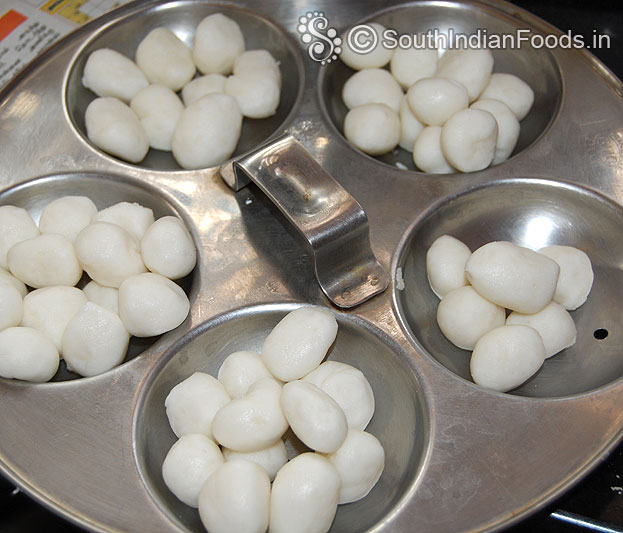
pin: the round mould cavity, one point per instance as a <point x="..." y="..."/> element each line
<point x="182" y="18"/>
<point x="104" y="190"/>
<point x="537" y="67"/>
<point x="400" y="421"/>
<point x="534" y="214"/>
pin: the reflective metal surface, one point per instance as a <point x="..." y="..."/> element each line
<point x="480" y="460"/>
<point x="330" y="220"/>
<point x="534" y="214"/>
<point x="399" y="422"/>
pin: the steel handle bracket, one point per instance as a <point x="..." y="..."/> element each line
<point x="333" y="224"/>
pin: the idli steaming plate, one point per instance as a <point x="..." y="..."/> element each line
<point x="458" y="457"/>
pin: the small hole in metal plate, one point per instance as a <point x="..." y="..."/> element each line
<point x="600" y="333"/>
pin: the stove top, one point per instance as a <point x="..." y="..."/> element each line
<point x="596" y="504"/>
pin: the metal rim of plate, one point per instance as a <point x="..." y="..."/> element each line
<point x="469" y="459"/>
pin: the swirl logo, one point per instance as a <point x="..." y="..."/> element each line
<point x="323" y="42"/>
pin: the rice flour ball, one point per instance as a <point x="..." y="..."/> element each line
<point x="67" y="216"/>
<point x="150" y="304"/>
<point x="45" y="260"/>
<point x="192" y="404"/>
<point x="94" y="341"/>
<point x="108" y="253"/>
<point x="27" y="354"/>
<point x="198" y="87"/>
<point x="376" y="57"/>
<point x="165" y="59"/>
<point x="113" y="127"/>
<point x="159" y="109"/>
<point x="468" y="139"/>
<point x="17" y="225"/>
<point x="132" y="217"/>
<point x="110" y="73"/>
<point x="50" y="309"/>
<point x="372" y="128"/>
<point x="511" y="90"/>
<point x="218" y="42"/>
<point x="207" y="132"/>
<point x="188" y="465"/>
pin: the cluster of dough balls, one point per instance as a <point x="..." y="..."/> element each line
<point x="538" y="288"/>
<point x="231" y="430"/>
<point x="456" y="114"/>
<point x="131" y="260"/>
<point x="190" y="102"/>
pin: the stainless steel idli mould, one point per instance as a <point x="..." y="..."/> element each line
<point x="320" y="223"/>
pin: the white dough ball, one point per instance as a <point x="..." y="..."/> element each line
<point x="508" y="127"/>
<point x="107" y="297"/>
<point x="359" y="461"/>
<point x="258" y="60"/>
<point x="445" y="265"/>
<point x="349" y="388"/>
<point x="256" y="92"/>
<point x="207" y="132"/>
<point x="353" y="393"/>
<point x="270" y="459"/>
<point x="11" y="306"/>
<point x="434" y="100"/>
<point x="150" y="304"/>
<point x="112" y="126"/>
<point x="44" y="261"/>
<point x="10" y="279"/>
<point x="50" y="309"/>
<point x="27" y="354"/>
<point x="409" y="65"/>
<point x="410" y="126"/>
<point x="188" y="465"/>
<point x="218" y="42"/>
<point x="165" y="59"/>
<point x="109" y="73"/>
<point x="506" y="357"/>
<point x="159" y="110"/>
<point x="168" y="249"/>
<point x="299" y="342"/>
<point x="464" y="316"/>
<point x="236" y="497"/>
<point x="240" y="370"/>
<point x="253" y="422"/>
<point x="208" y="84"/>
<point x="67" y="216"/>
<point x="376" y="58"/>
<point x="132" y="217"/>
<point x="427" y="153"/>
<point x="314" y="416"/>
<point x="372" y="86"/>
<point x="468" y="139"/>
<point x="323" y="371"/>
<point x="513" y="276"/>
<point x="94" y="341"/>
<point x="471" y="67"/>
<point x="17" y="225"/>
<point x="108" y="253"/>
<point x="305" y="495"/>
<point x="576" y="275"/>
<point x="511" y="90"/>
<point x="373" y="128"/>
<point x="554" y="324"/>
<point x="192" y="404"/>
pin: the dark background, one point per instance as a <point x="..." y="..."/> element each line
<point x="598" y="500"/>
